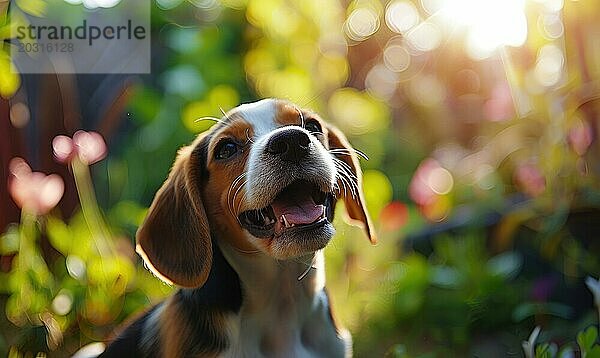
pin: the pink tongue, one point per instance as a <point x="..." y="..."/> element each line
<point x="298" y="208"/>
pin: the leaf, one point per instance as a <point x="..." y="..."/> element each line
<point x="528" y="309"/>
<point x="586" y="339"/>
<point x="59" y="235"/>
<point x="9" y="77"/>
<point x="506" y="265"/>
<point x="593" y="353"/>
<point x="9" y="242"/>
<point x="33" y="7"/>
<point x="545" y="350"/>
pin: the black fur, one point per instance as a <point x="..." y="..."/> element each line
<point x="203" y="308"/>
<point x="127" y="343"/>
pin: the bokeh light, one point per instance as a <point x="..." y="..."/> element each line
<point x="551" y="26"/>
<point x="479" y="118"/>
<point x="424" y="37"/>
<point x="93" y="4"/>
<point x="427" y="90"/>
<point x="19" y="114"/>
<point x="358" y="112"/>
<point x="362" y="23"/>
<point x="401" y="16"/>
<point x="549" y="65"/>
<point x="381" y="81"/>
<point x="396" y="57"/>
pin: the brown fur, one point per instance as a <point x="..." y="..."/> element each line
<point x="174" y="239"/>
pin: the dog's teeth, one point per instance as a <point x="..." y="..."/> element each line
<point x="285" y="222"/>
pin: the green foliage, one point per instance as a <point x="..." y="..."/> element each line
<point x="73" y="280"/>
<point x="588" y="343"/>
<point x="76" y="296"/>
<point x="450" y="299"/>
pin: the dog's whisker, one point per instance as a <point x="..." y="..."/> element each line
<point x="223" y="112"/>
<point x="241" y="202"/>
<point x="343" y="180"/>
<point x="235" y="184"/>
<point x="237" y="192"/>
<point x="231" y="203"/>
<point x="344" y="170"/>
<point x="336" y="187"/>
<point x="349" y="151"/>
<point x="347" y="168"/>
<point x="248" y="136"/>
<point x="208" y="118"/>
<point x="301" y="116"/>
<point x="351" y="180"/>
<point x="348" y="179"/>
<point x="308" y="268"/>
<point x="352" y="186"/>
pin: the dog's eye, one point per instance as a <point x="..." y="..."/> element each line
<point x="225" y="149"/>
<point x="313" y="126"/>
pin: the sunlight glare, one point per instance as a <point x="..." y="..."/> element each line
<point x="489" y="24"/>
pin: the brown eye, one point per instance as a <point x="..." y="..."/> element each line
<point x="313" y="127"/>
<point x="225" y="149"/>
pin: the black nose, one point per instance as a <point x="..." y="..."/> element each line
<point x="291" y="145"/>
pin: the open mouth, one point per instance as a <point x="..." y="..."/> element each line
<point x="299" y="206"/>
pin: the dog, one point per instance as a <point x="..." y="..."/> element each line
<point x="239" y="225"/>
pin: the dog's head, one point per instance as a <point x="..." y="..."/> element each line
<point x="266" y="177"/>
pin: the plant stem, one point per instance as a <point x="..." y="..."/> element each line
<point x="89" y="207"/>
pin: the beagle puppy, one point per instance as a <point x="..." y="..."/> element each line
<point x="239" y="226"/>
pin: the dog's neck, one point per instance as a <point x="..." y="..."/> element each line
<point x="266" y="281"/>
<point x="271" y="307"/>
<point x="285" y="310"/>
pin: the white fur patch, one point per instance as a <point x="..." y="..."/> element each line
<point x="261" y="115"/>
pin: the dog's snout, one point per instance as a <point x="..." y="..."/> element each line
<point x="291" y="145"/>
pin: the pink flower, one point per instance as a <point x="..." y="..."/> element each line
<point x="580" y="137"/>
<point x="34" y="192"/>
<point x="430" y="189"/>
<point x="500" y="106"/>
<point x="63" y="148"/>
<point x="419" y="189"/>
<point x="88" y="146"/>
<point x="530" y="179"/>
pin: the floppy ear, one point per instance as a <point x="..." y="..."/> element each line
<point x="174" y="239"/>
<point x="354" y="201"/>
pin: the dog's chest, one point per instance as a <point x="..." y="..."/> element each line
<point x="292" y="327"/>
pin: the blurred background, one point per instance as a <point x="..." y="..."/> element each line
<point x="480" y="119"/>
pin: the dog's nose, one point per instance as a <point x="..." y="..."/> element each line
<point x="291" y="145"/>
